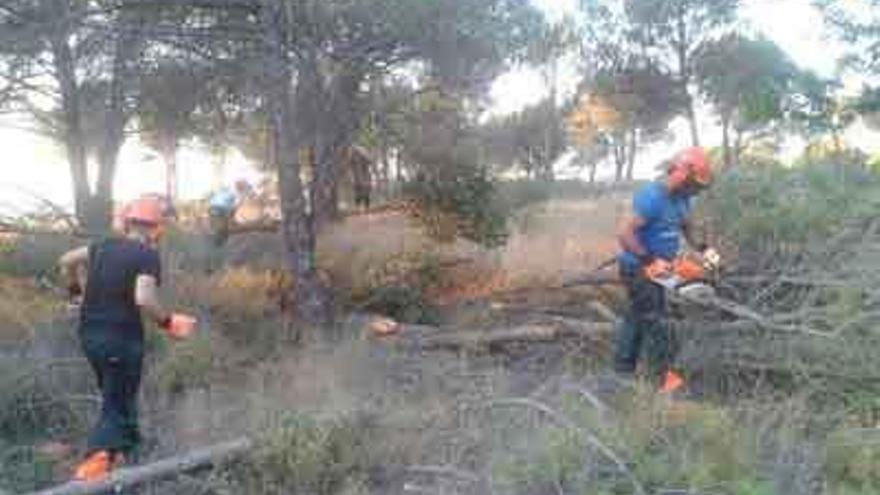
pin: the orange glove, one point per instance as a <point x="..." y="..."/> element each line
<point x="688" y="269"/>
<point x="179" y="326"/>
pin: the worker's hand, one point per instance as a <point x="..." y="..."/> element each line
<point x="179" y="326"/>
<point x="73" y="307"/>
<point x="657" y="269"/>
<point x="711" y="258"/>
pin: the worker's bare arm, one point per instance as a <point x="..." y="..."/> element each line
<point x="628" y="238"/>
<point x="146" y="296"/>
<point x="72" y="264"/>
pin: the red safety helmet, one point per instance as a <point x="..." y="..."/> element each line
<point x="145" y="211"/>
<point x="691" y="165"/>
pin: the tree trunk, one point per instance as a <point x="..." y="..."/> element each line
<point x="74" y="134"/>
<point x="125" y="50"/>
<point x="130" y="477"/>
<point x="631" y="154"/>
<point x="692" y="119"/>
<point x="684" y="74"/>
<point x="325" y="185"/>
<point x="619" y="157"/>
<point x="298" y="229"/>
<point x="737" y="146"/>
<point x="219" y="168"/>
<point x="333" y="139"/>
<point x="169" y="156"/>
<point x="725" y="140"/>
<point x="549" y="134"/>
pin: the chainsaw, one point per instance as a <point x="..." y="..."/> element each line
<point x="688" y="275"/>
<point x="688" y="278"/>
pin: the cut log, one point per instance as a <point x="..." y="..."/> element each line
<point x="603" y="311"/>
<point x="555" y="329"/>
<point x="138" y="475"/>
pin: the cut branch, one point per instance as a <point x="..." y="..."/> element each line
<point x="134" y="476"/>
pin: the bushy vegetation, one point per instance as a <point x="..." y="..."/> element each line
<point x="762" y="208"/>
<point x="463" y="203"/>
<point x="302" y="454"/>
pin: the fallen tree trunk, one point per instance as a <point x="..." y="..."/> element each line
<point x="138" y="475"/>
<point x="553" y="330"/>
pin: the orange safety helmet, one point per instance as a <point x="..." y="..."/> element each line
<point x="691" y="165"/>
<point x="145" y="211"/>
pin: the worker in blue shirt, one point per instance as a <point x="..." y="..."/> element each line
<point x="222" y="207"/>
<point x="650" y="240"/>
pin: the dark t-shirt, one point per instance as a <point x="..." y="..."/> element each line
<point x="114" y="265"/>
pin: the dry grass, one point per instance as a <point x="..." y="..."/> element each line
<point x="549" y="241"/>
<point x="352" y="414"/>
<point x="23" y="307"/>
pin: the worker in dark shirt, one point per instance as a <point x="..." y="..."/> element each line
<point x="121" y="283"/>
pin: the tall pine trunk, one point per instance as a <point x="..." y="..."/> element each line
<point x="684" y="75"/>
<point x="726" y="152"/>
<point x="169" y="156"/>
<point x="71" y="109"/>
<point x="297" y="226"/>
<point x="631" y="154"/>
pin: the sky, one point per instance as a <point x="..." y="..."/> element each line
<point x="36" y="167"/>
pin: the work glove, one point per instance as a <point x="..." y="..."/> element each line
<point x="178" y="325"/>
<point x="711" y="258"/>
<point x="657" y="269"/>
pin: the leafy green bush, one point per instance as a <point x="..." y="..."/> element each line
<point x="852" y="458"/>
<point x="185" y="364"/>
<point x="761" y="209"/>
<point x="461" y="202"/>
<point x="32" y="255"/>
<point x="683" y="447"/>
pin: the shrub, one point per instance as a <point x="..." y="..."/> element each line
<point x="852" y="458"/>
<point x="461" y="202"/>
<point x="761" y="209"/>
<point x="301" y="454"/>
<point x="30" y="255"/>
<point x="681" y="446"/>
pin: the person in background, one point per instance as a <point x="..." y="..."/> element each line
<point x="122" y="276"/>
<point x="222" y="206"/>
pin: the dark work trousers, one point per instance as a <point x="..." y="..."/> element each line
<point x="644" y="324"/>
<point x="117" y="361"/>
<point x="219" y="223"/>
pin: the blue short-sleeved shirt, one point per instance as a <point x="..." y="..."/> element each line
<point x="664" y="213"/>
<point x="223" y="200"/>
<point x="114" y="265"/>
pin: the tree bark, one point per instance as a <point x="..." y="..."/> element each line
<point x="725" y="140"/>
<point x="684" y="74"/>
<point x="553" y="330"/>
<point x="549" y="131"/>
<point x="169" y="156"/>
<point x="71" y="109"/>
<point x="139" y="475"/>
<point x="737" y="146"/>
<point x="692" y="118"/>
<point x="619" y="156"/>
<point x="631" y="154"/>
<point x="298" y="227"/>
<point x="333" y="139"/>
<point x="126" y="48"/>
